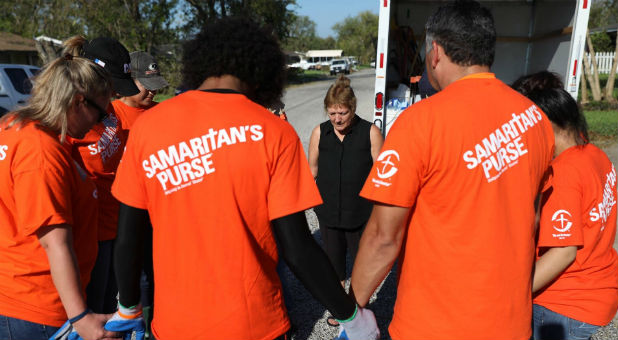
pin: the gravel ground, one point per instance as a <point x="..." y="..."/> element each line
<point x="308" y="317"/>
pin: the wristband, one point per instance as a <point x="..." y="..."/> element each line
<point x="79" y="316"/>
<point x="350" y="318"/>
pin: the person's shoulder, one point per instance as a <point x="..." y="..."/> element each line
<point x="597" y="156"/>
<point x="577" y="161"/>
<point x="363" y="122"/>
<point x="117" y="104"/>
<point x="37" y="136"/>
<point x="421" y="111"/>
<point x="317" y="130"/>
<point x="161" y="112"/>
<point x="373" y="130"/>
<point x="40" y="145"/>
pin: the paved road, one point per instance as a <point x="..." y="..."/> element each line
<point x="304" y="104"/>
<point x="305" y="110"/>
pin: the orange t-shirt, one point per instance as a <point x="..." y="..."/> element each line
<point x="213" y="169"/>
<point x="128" y="114"/>
<point x="468" y="162"/>
<point x="580" y="210"/>
<point x="40" y="186"/>
<point x="99" y="153"/>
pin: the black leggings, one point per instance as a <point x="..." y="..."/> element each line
<point x="337" y="243"/>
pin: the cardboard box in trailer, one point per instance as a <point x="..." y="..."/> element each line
<point x="532" y="36"/>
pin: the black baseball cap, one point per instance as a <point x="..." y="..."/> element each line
<point x="144" y="68"/>
<point x="113" y="57"/>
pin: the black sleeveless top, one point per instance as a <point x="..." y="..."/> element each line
<point x="343" y="167"/>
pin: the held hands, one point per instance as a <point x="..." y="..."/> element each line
<point x="87" y="327"/>
<point x="361" y="326"/>
<point x="127" y="321"/>
<point x="66" y="332"/>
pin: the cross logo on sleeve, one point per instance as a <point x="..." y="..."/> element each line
<point x="561" y="219"/>
<point x="388" y="160"/>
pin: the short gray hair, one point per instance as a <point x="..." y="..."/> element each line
<point x="428" y="42"/>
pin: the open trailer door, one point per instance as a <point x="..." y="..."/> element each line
<point x="532" y="35"/>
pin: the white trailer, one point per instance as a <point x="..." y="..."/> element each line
<point x="532" y="35"/>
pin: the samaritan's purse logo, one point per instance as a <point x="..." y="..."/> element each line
<point x="562" y="222"/>
<point x="388" y="160"/>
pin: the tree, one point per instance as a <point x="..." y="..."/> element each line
<point x="275" y="14"/>
<point x="358" y="35"/>
<point x="31" y="18"/>
<point x="609" y="86"/>
<point x="602" y="13"/>
<point x="592" y="71"/>
<point x="138" y="24"/>
<point x="327" y="43"/>
<point x="602" y="42"/>
<point x="301" y="34"/>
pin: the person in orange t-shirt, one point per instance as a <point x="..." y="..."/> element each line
<point x="221" y="177"/>
<point x="99" y="153"/>
<point x="576" y="273"/>
<point x="48" y="234"/>
<point x="454" y="189"/>
<point x="147" y="76"/>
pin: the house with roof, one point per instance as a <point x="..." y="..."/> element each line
<point x="15" y="49"/>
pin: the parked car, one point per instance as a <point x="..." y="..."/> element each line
<point x="303" y="64"/>
<point x="15" y="85"/>
<point x="339" y="66"/>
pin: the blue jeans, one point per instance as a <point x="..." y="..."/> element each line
<point x="548" y="325"/>
<point x="16" y="329"/>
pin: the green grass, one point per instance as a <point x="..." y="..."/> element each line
<point x="602" y="126"/>
<point x="159" y="97"/>
<point x="301" y="77"/>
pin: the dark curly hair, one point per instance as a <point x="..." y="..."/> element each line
<point x="546" y="90"/>
<point x="239" y="47"/>
<point x="465" y="30"/>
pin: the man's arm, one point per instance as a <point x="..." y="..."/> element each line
<point x="133" y="224"/>
<point x="310" y="264"/>
<point x="378" y="250"/>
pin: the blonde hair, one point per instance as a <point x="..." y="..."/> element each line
<point x="341" y="93"/>
<point x="54" y="89"/>
<point x="74" y="46"/>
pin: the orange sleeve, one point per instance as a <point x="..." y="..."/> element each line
<point x="42" y="190"/>
<point x="128" y="186"/>
<point x="292" y="188"/>
<point x="397" y="172"/>
<point x="561" y="223"/>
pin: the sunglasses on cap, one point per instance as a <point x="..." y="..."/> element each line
<point x="102" y="112"/>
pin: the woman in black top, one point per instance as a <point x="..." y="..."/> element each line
<point x="341" y="153"/>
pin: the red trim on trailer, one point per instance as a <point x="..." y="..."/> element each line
<point x="585" y="4"/>
<point x="385" y="3"/>
<point x="381" y="60"/>
<point x="575" y="68"/>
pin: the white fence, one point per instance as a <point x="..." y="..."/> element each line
<point x="604" y="59"/>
